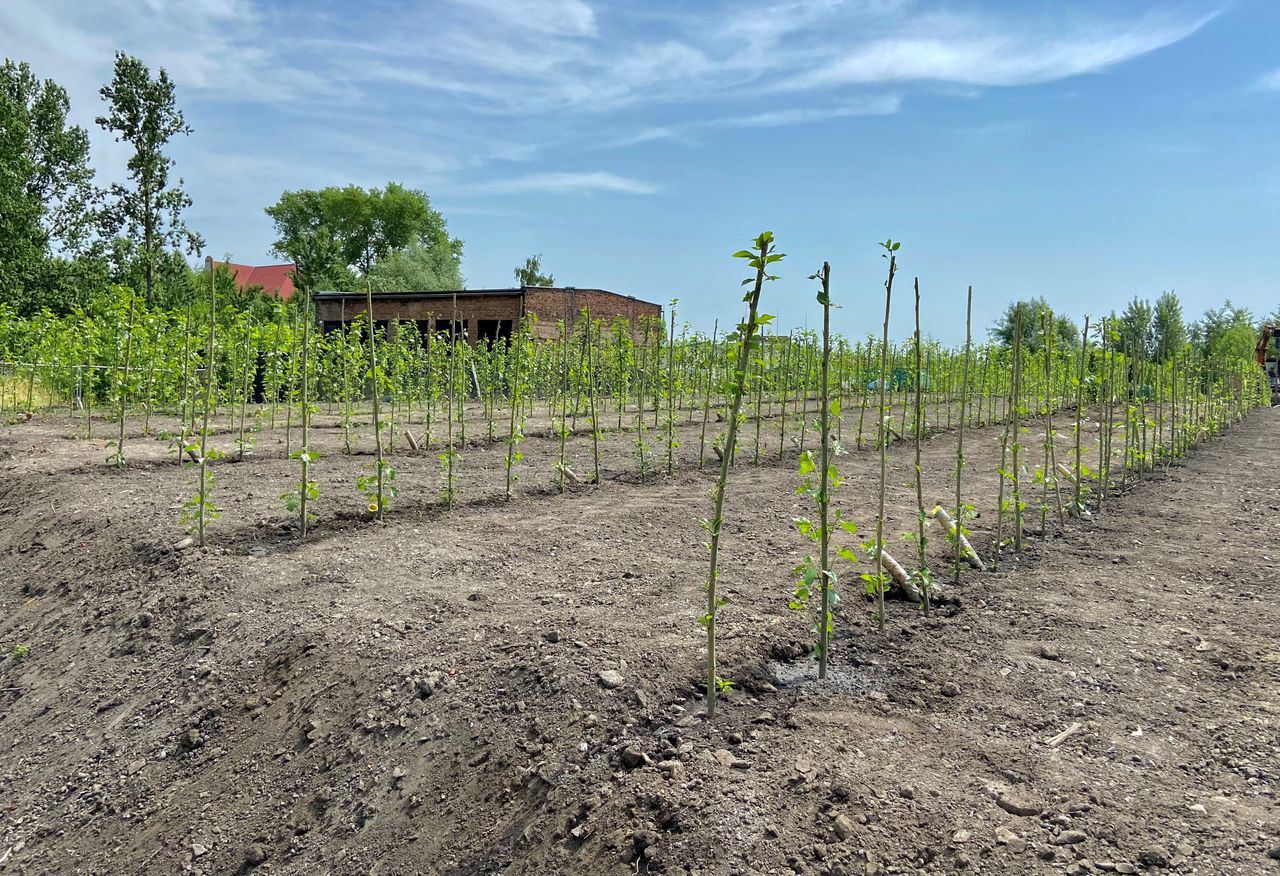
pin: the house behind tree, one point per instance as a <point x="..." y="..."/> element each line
<point x="274" y="280"/>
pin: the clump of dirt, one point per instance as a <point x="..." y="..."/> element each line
<point x="513" y="687"/>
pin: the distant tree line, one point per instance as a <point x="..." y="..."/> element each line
<point x="1152" y="331"/>
<point x="64" y="240"/>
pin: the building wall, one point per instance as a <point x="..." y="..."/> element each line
<point x="549" y="305"/>
<point x="471" y="309"/>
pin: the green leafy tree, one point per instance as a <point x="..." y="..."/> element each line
<point x="1226" y="332"/>
<point x="306" y="236"/>
<point x="338" y="236"/>
<point x="46" y="190"/>
<point x="1033" y="311"/>
<point x="530" y="273"/>
<point x="1169" y="328"/>
<point x="1136" y="327"/>
<point x="146" y="210"/>
<point x="417" y="268"/>
<point x="172" y="280"/>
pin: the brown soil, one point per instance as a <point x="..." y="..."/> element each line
<point x="425" y="696"/>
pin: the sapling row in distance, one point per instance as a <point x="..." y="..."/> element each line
<point x="80" y="363"/>
<point x="130" y="359"/>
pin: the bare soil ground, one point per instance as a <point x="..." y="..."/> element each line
<point x="425" y="696"/>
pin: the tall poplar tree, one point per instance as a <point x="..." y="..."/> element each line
<point x="147" y="209"/>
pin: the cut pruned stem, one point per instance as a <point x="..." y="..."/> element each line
<point x="895" y="570"/>
<point x="1075" y="508"/>
<point x="901" y="578"/>
<point x="1062" y="737"/>
<point x="969" y="555"/>
<point x="1067" y="474"/>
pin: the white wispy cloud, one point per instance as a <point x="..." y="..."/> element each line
<point x="881" y="105"/>
<point x="446" y="95"/>
<point x="876" y="105"/>
<point x="565" y="181"/>
<point x="1269" y="81"/>
<point x="973" y="51"/>
<point x="523" y="58"/>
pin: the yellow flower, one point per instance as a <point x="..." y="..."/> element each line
<point x="373" y="507"/>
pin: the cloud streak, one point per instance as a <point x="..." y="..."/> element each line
<point x="562" y="182"/>
<point x="449" y="96"/>
<point x="688" y="132"/>
<point x="1269" y="81"/>
<point x="973" y="52"/>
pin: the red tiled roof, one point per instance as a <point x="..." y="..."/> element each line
<point x="274" y="279"/>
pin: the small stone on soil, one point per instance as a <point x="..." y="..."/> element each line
<point x="1069" y="838"/>
<point x="633" y="758"/>
<point x="672" y="769"/>
<point x="1016" y="807"/>
<point x="610" y="678"/>
<point x="727" y="758"/>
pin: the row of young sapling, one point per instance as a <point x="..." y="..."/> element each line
<point x="1157" y="411"/>
<point x="587" y="377"/>
<point x="150" y="362"/>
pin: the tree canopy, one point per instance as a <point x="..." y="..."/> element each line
<point x="530" y="273"/>
<point x="416" y="268"/>
<point x="147" y="210"/>
<point x="1169" y="327"/>
<point x="1034" y="312"/>
<point x="1136" y="328"/>
<point x="1227" y="331"/>
<point x="341" y="236"/>
<point x="46" y="187"/>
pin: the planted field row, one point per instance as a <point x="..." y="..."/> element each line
<point x="634" y="400"/>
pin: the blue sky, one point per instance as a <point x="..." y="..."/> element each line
<point x="1084" y="151"/>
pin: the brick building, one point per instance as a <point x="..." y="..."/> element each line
<point x="486" y="314"/>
